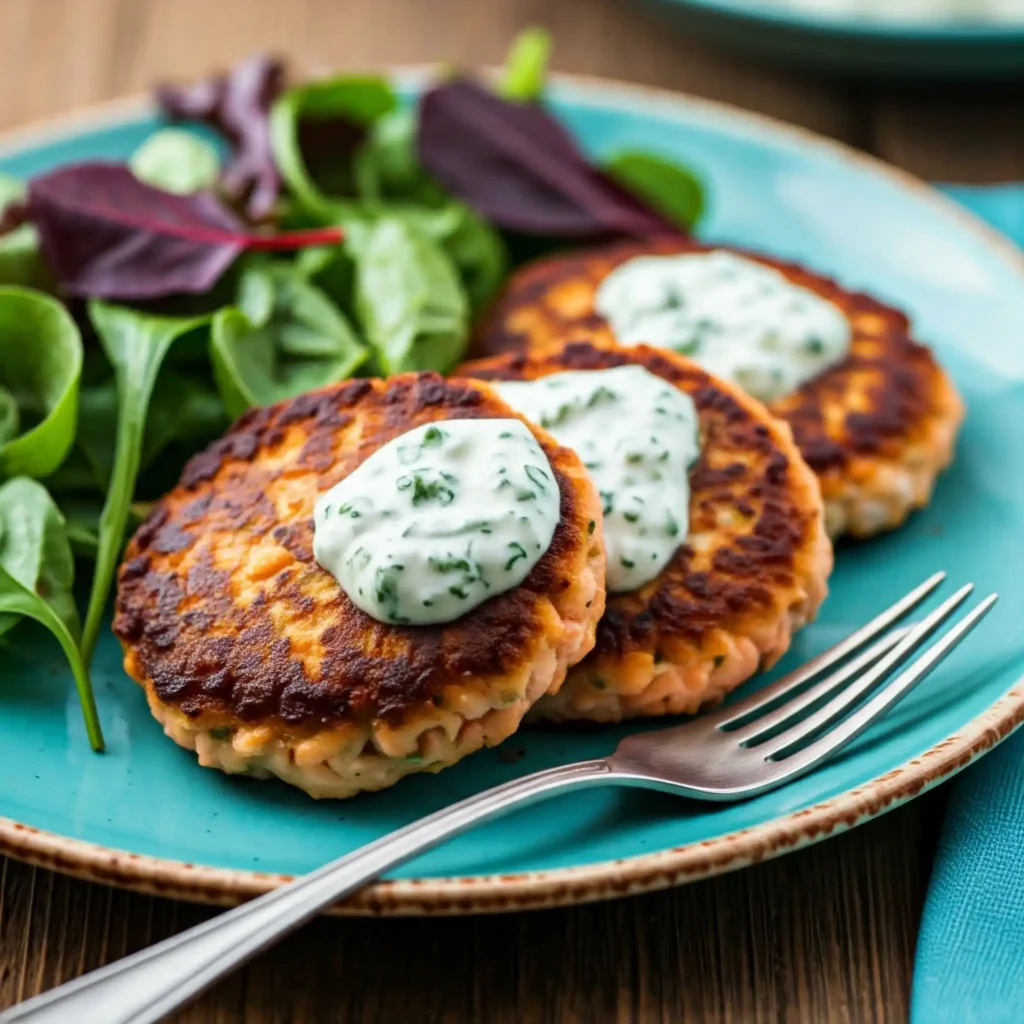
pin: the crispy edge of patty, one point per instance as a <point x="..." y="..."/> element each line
<point x="877" y="428"/>
<point x="389" y="700"/>
<point x="716" y="613"/>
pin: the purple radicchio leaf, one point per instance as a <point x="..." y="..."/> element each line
<point x="105" y="234"/>
<point x="518" y="167"/>
<point x="237" y="104"/>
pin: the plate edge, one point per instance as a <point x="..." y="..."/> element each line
<point x="548" y="888"/>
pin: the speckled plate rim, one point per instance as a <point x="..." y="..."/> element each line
<point x="607" y="879"/>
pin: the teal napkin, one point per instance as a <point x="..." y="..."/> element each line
<point x="970" y="950"/>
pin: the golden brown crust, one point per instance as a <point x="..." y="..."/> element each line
<point x="876" y="428"/>
<point x="756" y="556"/>
<point x="226" y="616"/>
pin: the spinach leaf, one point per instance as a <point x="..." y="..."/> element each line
<point x="391" y="181"/>
<point x="36" y="574"/>
<point x="526" y="66"/>
<point x="176" y="161"/>
<point x="475" y="248"/>
<point x="332" y="270"/>
<point x="408" y="297"/>
<point x="670" y="188"/>
<point x="387" y="165"/>
<point x="314" y="131"/>
<point x="20" y="258"/>
<point x="284" y="338"/>
<point x="136" y="344"/>
<point x="40" y="370"/>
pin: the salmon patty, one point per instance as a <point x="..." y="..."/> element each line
<point x="876" y="427"/>
<point x="252" y="655"/>
<point x="753" y="568"/>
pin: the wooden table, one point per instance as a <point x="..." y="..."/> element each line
<point x="826" y="934"/>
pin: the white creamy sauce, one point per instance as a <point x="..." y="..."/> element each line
<point x="439" y="520"/>
<point x="638" y="437"/>
<point x="739" y="319"/>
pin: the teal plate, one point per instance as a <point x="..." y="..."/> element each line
<point x="145" y="815"/>
<point x="846" y="44"/>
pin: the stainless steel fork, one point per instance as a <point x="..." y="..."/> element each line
<point x="749" y="747"/>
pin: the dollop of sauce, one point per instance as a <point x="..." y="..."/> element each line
<point x="740" y="320"/>
<point x="438" y="520"/>
<point x="638" y="436"/>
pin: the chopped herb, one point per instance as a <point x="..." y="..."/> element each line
<point x="221" y="732"/>
<point x="526" y="495"/>
<point x="423" y="490"/>
<point x="449" y="565"/>
<point x="598" y="683"/>
<point x="601" y="394"/>
<point x="631" y="517"/>
<point x="433" y="436"/>
<point x="719" y="659"/>
<point x="539" y="478"/>
<point x="626" y="562"/>
<point x="458" y="592"/>
<point x="518" y="553"/>
<point x="591" y="526"/>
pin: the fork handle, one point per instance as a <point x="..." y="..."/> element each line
<point x="148" y="985"/>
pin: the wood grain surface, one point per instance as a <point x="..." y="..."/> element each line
<point x="823" y="935"/>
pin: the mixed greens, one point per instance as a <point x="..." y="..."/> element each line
<point x="332" y="231"/>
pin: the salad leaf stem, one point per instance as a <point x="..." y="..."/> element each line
<point x="15" y="600"/>
<point x="136" y="345"/>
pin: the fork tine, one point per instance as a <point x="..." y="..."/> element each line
<point x="762" y="728"/>
<point x="808" y="757"/>
<point x="856" y="691"/>
<point x="767" y="697"/>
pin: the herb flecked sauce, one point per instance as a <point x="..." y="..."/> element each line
<point x="742" y="321"/>
<point x="638" y="436"/>
<point x="439" y="520"/>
